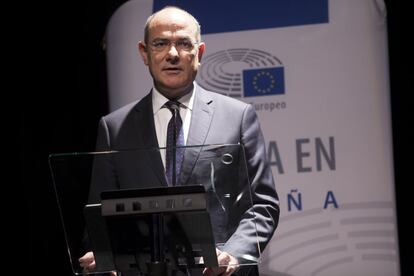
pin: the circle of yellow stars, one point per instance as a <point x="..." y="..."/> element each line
<point x="263" y="74"/>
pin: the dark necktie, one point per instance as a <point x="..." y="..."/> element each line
<point x="175" y="137"/>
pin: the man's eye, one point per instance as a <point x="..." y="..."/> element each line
<point x="185" y="44"/>
<point x="160" y="44"/>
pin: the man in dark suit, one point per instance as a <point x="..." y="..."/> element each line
<point x="172" y="50"/>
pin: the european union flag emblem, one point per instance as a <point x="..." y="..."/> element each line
<point x="264" y="82"/>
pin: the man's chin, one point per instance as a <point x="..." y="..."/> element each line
<point x="175" y="84"/>
<point x="174" y="88"/>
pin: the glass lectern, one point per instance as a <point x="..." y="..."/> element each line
<point x="117" y="205"/>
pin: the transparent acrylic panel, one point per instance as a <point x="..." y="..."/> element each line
<point x="120" y="206"/>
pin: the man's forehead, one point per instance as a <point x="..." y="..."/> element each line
<point x="165" y="27"/>
<point x="173" y="18"/>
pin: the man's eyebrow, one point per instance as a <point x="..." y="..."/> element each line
<point x="179" y="38"/>
<point x="160" y="38"/>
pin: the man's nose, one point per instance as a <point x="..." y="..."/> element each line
<point x="173" y="54"/>
<point x="173" y="50"/>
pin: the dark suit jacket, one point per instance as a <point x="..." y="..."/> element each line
<point x="216" y="119"/>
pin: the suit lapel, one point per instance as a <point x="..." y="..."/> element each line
<point x="145" y="118"/>
<point x="201" y="117"/>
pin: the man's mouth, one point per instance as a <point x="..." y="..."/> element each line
<point x="172" y="69"/>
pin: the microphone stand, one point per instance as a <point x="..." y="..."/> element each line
<point x="157" y="266"/>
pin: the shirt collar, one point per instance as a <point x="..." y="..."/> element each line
<point x="159" y="100"/>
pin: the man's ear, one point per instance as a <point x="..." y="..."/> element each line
<point x="201" y="48"/>
<point x="143" y="51"/>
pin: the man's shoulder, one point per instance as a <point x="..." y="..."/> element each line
<point x="124" y="111"/>
<point x="121" y="112"/>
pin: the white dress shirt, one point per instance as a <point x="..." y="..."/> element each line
<point x="162" y="116"/>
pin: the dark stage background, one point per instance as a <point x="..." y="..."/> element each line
<point x="67" y="96"/>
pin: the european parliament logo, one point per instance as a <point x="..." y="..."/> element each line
<point x="263" y="82"/>
<point x="242" y="72"/>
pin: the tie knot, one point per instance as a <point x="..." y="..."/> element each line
<point x="173" y="105"/>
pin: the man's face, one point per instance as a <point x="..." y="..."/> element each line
<point x="175" y="67"/>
